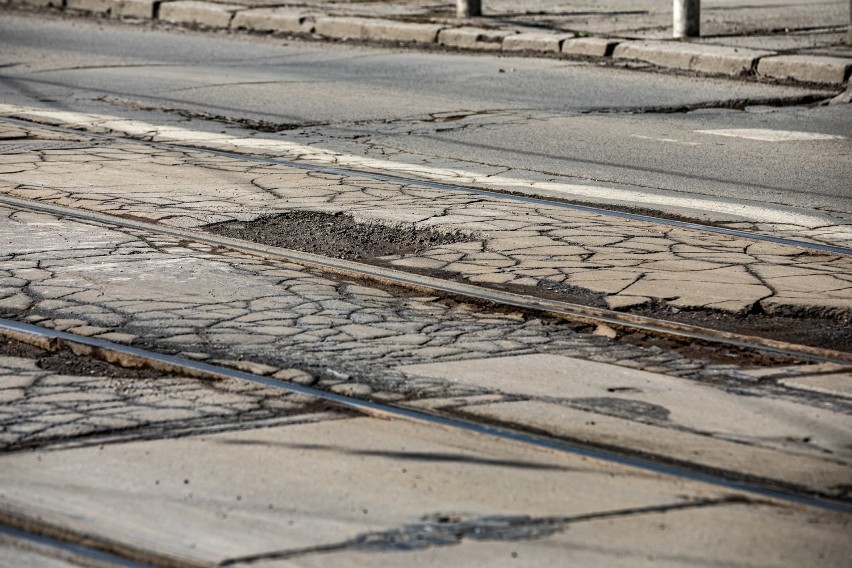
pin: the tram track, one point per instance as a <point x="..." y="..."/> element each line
<point x="458" y="290"/>
<point x="429" y="284"/>
<point x="135" y="357"/>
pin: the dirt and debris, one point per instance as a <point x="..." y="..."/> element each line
<point x="336" y="235"/>
<point x="65" y="362"/>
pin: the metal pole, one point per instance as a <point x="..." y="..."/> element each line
<point x="471" y="8"/>
<point x="687" y="18"/>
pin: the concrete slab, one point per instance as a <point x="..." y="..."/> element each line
<point x="223" y="496"/>
<point x="274" y="20"/>
<point x="836" y="384"/>
<point x="195" y="12"/>
<point x="673" y="412"/>
<point x="806" y="68"/>
<point x="587" y="426"/>
<point x="713" y="59"/>
<point x="739" y="535"/>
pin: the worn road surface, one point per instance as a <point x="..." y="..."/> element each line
<point x="147" y="179"/>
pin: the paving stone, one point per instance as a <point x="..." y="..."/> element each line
<point x="806" y="68"/>
<point x="274" y="20"/>
<point x="692" y="57"/>
<point x="196" y="12"/>
<point x="472" y="38"/>
<point x="544" y="42"/>
<point x="589" y="46"/>
<point x="19" y="301"/>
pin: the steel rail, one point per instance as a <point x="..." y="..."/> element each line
<point x="490" y="193"/>
<point x="566" y="310"/>
<point x="38" y="536"/>
<point x="131" y="356"/>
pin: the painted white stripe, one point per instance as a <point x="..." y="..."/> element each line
<point x="766" y="135"/>
<point x="667" y="140"/>
<point x="293" y="151"/>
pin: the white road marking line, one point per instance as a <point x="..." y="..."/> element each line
<point x="767" y="135"/>
<point x="299" y="152"/>
<point x="669" y="140"/>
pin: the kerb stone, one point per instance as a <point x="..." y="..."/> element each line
<point x="98" y="6"/>
<point x="134" y="8"/>
<point x="534" y="42"/>
<point x="713" y="59"/>
<point x="54" y="3"/>
<point x="388" y="30"/>
<point x="589" y="46"/>
<point x="472" y="38"/>
<point x="806" y="68"/>
<point x="273" y="20"/>
<point x="341" y="28"/>
<point x="205" y="14"/>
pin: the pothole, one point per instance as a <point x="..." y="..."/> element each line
<point x="336" y="235"/>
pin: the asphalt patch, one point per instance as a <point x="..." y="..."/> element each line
<point x="335" y="235"/>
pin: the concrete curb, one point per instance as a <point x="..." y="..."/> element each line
<point x="195" y="12"/>
<point x="700" y="58"/>
<point x="281" y="20"/>
<point x="711" y="59"/>
<point x="810" y="68"/>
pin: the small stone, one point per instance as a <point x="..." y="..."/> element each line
<point x="295" y="376"/>
<point x="351" y="389"/>
<point x="605" y="331"/>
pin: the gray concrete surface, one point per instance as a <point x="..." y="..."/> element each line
<point x="228" y="496"/>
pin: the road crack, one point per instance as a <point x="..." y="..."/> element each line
<point x="442" y="529"/>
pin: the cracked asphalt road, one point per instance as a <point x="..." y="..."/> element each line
<point x="173" y="469"/>
<point x="538" y="120"/>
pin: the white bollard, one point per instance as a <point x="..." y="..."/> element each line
<point x="687" y="18"/>
<point x="468" y="8"/>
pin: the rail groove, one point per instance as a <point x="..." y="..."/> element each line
<point x="566" y="310"/>
<point x="490" y="193"/>
<point x="131" y="356"/>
